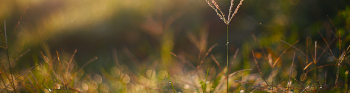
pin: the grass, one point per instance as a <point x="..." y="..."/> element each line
<point x="284" y="70"/>
<point x="171" y="84"/>
<point x="227" y="22"/>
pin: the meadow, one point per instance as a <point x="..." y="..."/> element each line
<point x="174" y="46"/>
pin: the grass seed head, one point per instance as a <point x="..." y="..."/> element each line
<point x="218" y="11"/>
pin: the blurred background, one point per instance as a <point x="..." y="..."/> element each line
<point x="142" y="34"/>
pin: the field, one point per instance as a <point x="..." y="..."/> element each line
<point x="174" y="46"/>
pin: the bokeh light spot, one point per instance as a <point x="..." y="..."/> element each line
<point x="125" y="78"/>
<point x="186" y="86"/>
<point x="162" y="74"/>
<point x="97" y="78"/>
<point x="84" y="86"/>
<point x="115" y="72"/>
<point x="150" y="73"/>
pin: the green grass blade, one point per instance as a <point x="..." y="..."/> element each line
<point x="171" y="84"/>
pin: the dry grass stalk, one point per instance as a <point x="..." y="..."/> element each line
<point x="48" y="76"/>
<point x="307" y="66"/>
<point x="274" y="88"/>
<point x="31" y="84"/>
<point x="8" y="56"/>
<point x="131" y="56"/>
<point x="257" y="42"/>
<point x="257" y="65"/>
<point x="4" y="71"/>
<point x="341" y="57"/>
<point x="20" y="19"/>
<point x="339" y="62"/>
<point x="61" y="69"/>
<point x="325" y="78"/>
<point x="7" y="51"/>
<point x="19" y="76"/>
<point x="300" y="61"/>
<point x="327" y="44"/>
<point x="218" y="11"/>
<point x="69" y="68"/>
<point x="315" y="61"/>
<point x="238" y="71"/>
<point x="115" y="57"/>
<point x="81" y="68"/>
<point x="199" y="41"/>
<point x="211" y="71"/>
<point x="300" y="84"/>
<point x="206" y="54"/>
<point x="319" y="67"/>
<point x="232" y="60"/>
<point x="201" y="62"/>
<point x="183" y="60"/>
<point x="324" y="51"/>
<point x="20" y="56"/>
<point x="290" y="75"/>
<point x="296" y="49"/>
<point x="49" y="62"/>
<point x="36" y="81"/>
<point x="279" y="57"/>
<point x="222" y="81"/>
<point x="71" y="59"/>
<point x="3" y="40"/>
<point x="199" y="55"/>
<point x="217" y="63"/>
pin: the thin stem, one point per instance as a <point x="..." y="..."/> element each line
<point x="3" y="68"/>
<point x="171" y="84"/>
<point x="227" y="56"/>
<point x="8" y="57"/>
<point x="205" y="82"/>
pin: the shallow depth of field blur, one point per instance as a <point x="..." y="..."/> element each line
<point x="140" y="45"/>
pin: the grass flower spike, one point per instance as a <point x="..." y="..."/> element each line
<point x="218" y="11"/>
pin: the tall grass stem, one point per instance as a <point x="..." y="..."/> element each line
<point x="172" y="86"/>
<point x="8" y="58"/>
<point x="227" y="56"/>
